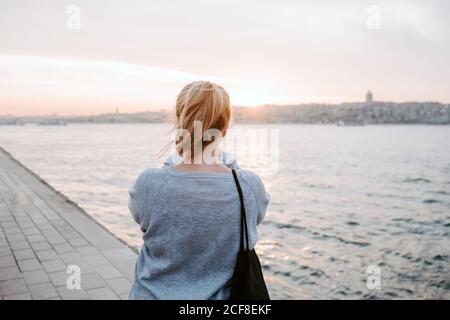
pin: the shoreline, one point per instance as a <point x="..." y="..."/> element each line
<point x="50" y="246"/>
<point x="237" y="123"/>
<point x="66" y="199"/>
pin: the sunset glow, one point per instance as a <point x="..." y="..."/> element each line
<point x="92" y="59"/>
<point x="39" y="85"/>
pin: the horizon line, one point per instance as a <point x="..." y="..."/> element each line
<point x="167" y="109"/>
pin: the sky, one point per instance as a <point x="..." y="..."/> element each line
<point x="95" y="56"/>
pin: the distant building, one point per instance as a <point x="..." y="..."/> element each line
<point x="117" y="110"/>
<point x="369" y="97"/>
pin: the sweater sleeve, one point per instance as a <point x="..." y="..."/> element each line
<point x="261" y="195"/>
<point x="142" y="196"/>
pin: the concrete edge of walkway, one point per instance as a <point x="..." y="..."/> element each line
<point x="63" y="196"/>
<point x="43" y="234"/>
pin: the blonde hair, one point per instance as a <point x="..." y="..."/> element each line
<point x="205" y="102"/>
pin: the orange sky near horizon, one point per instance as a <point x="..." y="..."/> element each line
<point x="138" y="57"/>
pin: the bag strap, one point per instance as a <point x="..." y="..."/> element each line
<point x="243" y="215"/>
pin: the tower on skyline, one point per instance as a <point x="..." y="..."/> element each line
<point x="369" y="97"/>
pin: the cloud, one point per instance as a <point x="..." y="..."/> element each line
<point x="80" y="85"/>
<point x="263" y="51"/>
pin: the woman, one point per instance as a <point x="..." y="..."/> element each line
<point x="189" y="210"/>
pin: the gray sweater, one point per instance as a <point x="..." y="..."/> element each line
<point x="190" y="224"/>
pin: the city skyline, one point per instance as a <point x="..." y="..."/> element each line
<point x="367" y="99"/>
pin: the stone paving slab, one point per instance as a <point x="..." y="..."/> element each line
<point x="43" y="235"/>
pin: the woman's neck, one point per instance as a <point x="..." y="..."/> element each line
<point x="202" y="168"/>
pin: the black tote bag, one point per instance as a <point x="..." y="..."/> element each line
<point x="247" y="282"/>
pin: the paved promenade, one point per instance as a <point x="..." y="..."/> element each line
<point x="42" y="234"/>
